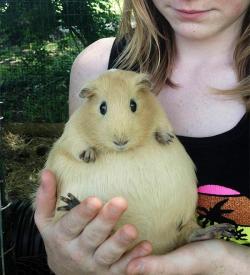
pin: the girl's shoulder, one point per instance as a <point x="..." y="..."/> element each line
<point x="96" y="55"/>
<point x="91" y="62"/>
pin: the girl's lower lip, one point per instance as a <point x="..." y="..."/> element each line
<point x="191" y="15"/>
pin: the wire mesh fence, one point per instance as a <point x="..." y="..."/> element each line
<point x="39" y="39"/>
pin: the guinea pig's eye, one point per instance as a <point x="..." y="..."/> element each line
<point x="103" y="108"/>
<point x="133" y="105"/>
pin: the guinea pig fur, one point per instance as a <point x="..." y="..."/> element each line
<point x="119" y="142"/>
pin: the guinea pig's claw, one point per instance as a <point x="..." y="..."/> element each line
<point x="164" y="138"/>
<point x="216" y="231"/>
<point x="88" y="155"/>
<point x="71" y="201"/>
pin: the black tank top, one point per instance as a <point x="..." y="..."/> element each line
<point x="223" y="171"/>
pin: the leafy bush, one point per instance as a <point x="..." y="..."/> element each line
<point x="38" y="42"/>
<point x="35" y="84"/>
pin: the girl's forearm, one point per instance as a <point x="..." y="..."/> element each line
<point x="237" y="259"/>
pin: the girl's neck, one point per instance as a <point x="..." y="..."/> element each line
<point x="217" y="48"/>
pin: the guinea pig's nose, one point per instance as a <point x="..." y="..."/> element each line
<point x="120" y="142"/>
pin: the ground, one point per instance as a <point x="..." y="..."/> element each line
<point x="23" y="158"/>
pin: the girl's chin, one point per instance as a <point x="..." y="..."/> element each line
<point x="197" y="33"/>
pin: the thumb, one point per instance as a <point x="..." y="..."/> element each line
<point x="45" y="199"/>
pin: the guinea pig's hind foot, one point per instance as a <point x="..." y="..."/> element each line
<point x="164" y="137"/>
<point x="217" y="231"/>
<point x="88" y="155"/>
<point x="71" y="201"/>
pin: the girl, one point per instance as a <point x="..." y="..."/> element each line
<point x="197" y="54"/>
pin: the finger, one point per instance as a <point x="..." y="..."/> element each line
<point x="72" y="224"/>
<point x="45" y="199"/>
<point x="141" y="250"/>
<point x="149" y="265"/>
<point x="112" y="249"/>
<point x="101" y="226"/>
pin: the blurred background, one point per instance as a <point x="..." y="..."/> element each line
<point x="39" y="40"/>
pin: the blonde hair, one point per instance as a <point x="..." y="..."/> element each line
<point x="151" y="46"/>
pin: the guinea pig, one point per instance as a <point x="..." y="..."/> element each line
<point x="119" y="142"/>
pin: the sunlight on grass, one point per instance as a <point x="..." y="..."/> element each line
<point x="14" y="141"/>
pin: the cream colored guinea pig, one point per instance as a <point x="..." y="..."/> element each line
<point x="120" y="143"/>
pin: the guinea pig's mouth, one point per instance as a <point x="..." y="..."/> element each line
<point x="120" y="145"/>
<point x="120" y="148"/>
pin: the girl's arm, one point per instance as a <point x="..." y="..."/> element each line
<point x="211" y="257"/>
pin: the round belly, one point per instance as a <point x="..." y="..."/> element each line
<point x="159" y="185"/>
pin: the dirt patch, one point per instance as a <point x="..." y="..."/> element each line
<point x="23" y="157"/>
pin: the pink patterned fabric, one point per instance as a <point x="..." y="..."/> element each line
<point x="217" y="190"/>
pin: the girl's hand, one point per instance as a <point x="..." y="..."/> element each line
<point x="211" y="257"/>
<point x="81" y="242"/>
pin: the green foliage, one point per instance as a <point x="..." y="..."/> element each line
<point x="35" y="84"/>
<point x="39" y="40"/>
<point x="23" y="21"/>
<point x="89" y="19"/>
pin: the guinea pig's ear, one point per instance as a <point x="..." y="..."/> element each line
<point x="144" y="82"/>
<point x="86" y="92"/>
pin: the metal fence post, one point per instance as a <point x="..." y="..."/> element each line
<point x="6" y="244"/>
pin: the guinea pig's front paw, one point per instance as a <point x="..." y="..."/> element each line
<point x="71" y="201"/>
<point x="88" y="155"/>
<point x="164" y="137"/>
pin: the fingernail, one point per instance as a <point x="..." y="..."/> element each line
<point x="138" y="267"/>
<point x="145" y="249"/>
<point x="113" y="210"/>
<point x="42" y="180"/>
<point x="43" y="186"/>
<point x="91" y="206"/>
